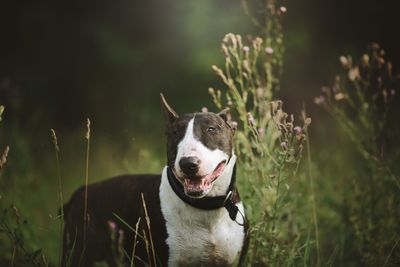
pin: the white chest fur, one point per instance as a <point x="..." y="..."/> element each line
<point x="198" y="237"/>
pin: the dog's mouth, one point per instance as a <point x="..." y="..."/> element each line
<point x="198" y="186"/>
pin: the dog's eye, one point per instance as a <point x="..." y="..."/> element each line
<point x="211" y="129"/>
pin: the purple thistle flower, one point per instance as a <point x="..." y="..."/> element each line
<point x="234" y="125"/>
<point x="269" y="50"/>
<point x="112" y="225"/>
<point x="319" y="100"/>
<point x="297" y="129"/>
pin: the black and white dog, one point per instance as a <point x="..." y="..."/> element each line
<point x="194" y="213"/>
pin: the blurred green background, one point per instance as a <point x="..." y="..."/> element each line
<point x="64" y="61"/>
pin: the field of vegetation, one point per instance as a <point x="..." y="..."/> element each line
<point x="309" y="204"/>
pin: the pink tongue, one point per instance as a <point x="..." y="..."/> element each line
<point x="195" y="183"/>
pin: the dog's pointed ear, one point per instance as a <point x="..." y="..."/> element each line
<point x="225" y="115"/>
<point x="170" y="114"/>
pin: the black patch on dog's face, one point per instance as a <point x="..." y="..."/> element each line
<point x="175" y="132"/>
<point x="213" y="132"/>
<point x="209" y="128"/>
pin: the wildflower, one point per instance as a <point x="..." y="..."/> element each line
<point x="319" y="100"/>
<point x="339" y="96"/>
<point x="246" y="49"/>
<point x="392" y="92"/>
<point x="204" y="109"/>
<point x="297" y="129"/>
<point x="354" y="74"/>
<point x="234" y="125"/>
<point x="269" y="50"/>
<point x="283" y="9"/>
<point x="284" y="145"/>
<point x="112" y="226"/>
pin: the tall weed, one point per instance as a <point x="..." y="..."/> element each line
<point x="360" y="101"/>
<point x="268" y="141"/>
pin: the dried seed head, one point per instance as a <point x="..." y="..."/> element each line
<point x="307" y="122"/>
<point x="246" y="49"/>
<point x="339" y="96"/>
<point x="1" y="111"/>
<point x="211" y="90"/>
<point x="3" y="158"/>
<point x="54" y="138"/>
<point x="225" y="50"/>
<point x="87" y="135"/>
<point x="354" y="74"/>
<point x="365" y="60"/>
<point x="250" y="119"/>
<point x="218" y="71"/>
<point x="344" y="61"/>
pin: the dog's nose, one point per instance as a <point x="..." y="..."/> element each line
<point x="189" y="165"/>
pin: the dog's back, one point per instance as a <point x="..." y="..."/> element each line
<point x="105" y="233"/>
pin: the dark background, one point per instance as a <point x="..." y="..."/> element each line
<point x="63" y="61"/>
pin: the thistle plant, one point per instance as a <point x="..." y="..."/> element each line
<point x="360" y="98"/>
<point x="268" y="141"/>
<point x="360" y="101"/>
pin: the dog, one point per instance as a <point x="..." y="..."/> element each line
<point x="190" y="215"/>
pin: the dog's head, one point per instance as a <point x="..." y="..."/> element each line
<point x="199" y="146"/>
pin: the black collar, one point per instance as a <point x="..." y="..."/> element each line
<point x="208" y="203"/>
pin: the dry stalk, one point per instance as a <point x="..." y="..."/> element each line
<point x="85" y="215"/>
<point x="149" y="229"/>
